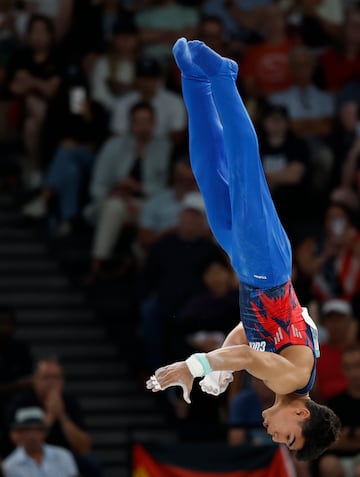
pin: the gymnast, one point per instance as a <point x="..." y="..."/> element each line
<point x="276" y="340"/>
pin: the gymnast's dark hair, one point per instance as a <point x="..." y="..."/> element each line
<point x="319" y="431"/>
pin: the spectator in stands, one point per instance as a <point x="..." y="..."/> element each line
<point x="59" y="11"/>
<point x="34" y="78"/>
<point x="169" y="108"/>
<point x="32" y="456"/>
<point x="82" y="128"/>
<point x="322" y="21"/>
<point x="113" y="74"/>
<point x="161" y="23"/>
<point x="206" y="319"/>
<point x="285" y="160"/>
<point x="341" y="458"/>
<point x="341" y="64"/>
<point x="311" y="113"/>
<point x="172" y="275"/>
<point x="129" y="168"/>
<point x="240" y="18"/>
<point x="340" y="332"/>
<point x="245" y="419"/>
<point x="62" y="414"/>
<point x="265" y="66"/>
<point x="330" y="257"/>
<point x="350" y="167"/>
<point x="160" y="213"/>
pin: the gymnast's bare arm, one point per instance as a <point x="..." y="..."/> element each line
<point x="282" y="373"/>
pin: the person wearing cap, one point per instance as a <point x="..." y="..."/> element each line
<point x="339" y="326"/>
<point x="276" y="340"/>
<point x="170" y="116"/>
<point x="32" y="456"/>
<point x="63" y="414"/>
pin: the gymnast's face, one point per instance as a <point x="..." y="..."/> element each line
<point x="284" y="423"/>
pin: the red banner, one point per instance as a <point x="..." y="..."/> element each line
<point x="155" y="464"/>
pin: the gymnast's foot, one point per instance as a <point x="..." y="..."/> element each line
<point x="210" y="62"/>
<point x="184" y="61"/>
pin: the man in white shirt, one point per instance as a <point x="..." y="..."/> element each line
<point x="32" y="457"/>
<point x="168" y="106"/>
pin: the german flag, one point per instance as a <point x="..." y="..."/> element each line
<point x="210" y="460"/>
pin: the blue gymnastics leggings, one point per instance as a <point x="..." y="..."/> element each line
<point x="226" y="163"/>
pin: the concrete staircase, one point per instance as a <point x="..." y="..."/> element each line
<point x="55" y="318"/>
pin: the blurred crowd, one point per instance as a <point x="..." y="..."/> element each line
<point x="91" y="108"/>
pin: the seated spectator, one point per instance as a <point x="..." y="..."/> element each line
<point x="82" y="128"/>
<point x="211" y="31"/>
<point x="34" y="78"/>
<point x="245" y="419"/>
<point x="129" y="169"/>
<point x="59" y="11"/>
<point x="161" y="23"/>
<point x="342" y="457"/>
<point x="285" y="160"/>
<point x="241" y="18"/>
<point x="169" y="108"/>
<point x="340" y="331"/>
<point x="206" y="319"/>
<point x="330" y="257"/>
<point x="322" y="21"/>
<point x="63" y="416"/>
<point x="350" y="167"/>
<point x="32" y="456"/>
<point x="311" y="113"/>
<point x="160" y="213"/>
<point x="341" y="64"/>
<point x="113" y="73"/>
<point x="265" y="66"/>
<point x="172" y="275"/>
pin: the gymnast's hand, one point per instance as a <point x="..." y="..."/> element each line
<point x="216" y="382"/>
<point x="176" y="374"/>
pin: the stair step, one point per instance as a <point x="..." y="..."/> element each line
<point x="114" y="370"/>
<point x="109" y="437"/>
<point x="73" y="351"/>
<point x="61" y="332"/>
<point x="24" y="299"/>
<point x="23" y="248"/>
<point x="123" y="420"/>
<point x="117" y="471"/>
<point x="155" y="435"/>
<point x="113" y="456"/>
<point x="91" y="404"/>
<point x="34" y="282"/>
<point x="25" y="266"/>
<point x="102" y="387"/>
<point x="16" y="233"/>
<point x="63" y="317"/>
